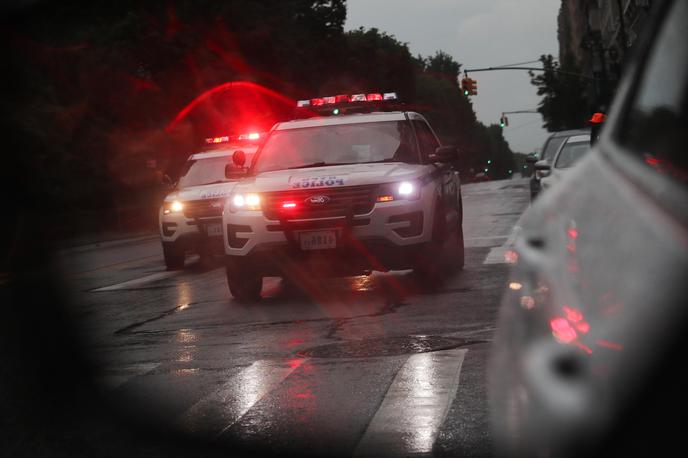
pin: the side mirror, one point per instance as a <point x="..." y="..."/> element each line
<point x="166" y="182"/>
<point x="445" y="154"/>
<point x="239" y="158"/>
<point x="542" y="168"/>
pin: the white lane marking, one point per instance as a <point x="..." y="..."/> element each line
<point x="117" y="265"/>
<point x="110" y="243"/>
<point x="498" y="255"/>
<point x="218" y="411"/>
<point x="415" y="405"/>
<point x="138" y="281"/>
<point x="125" y="373"/>
<point x="477" y="242"/>
<point x="501" y="237"/>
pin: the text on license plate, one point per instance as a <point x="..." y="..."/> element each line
<point x="213" y="230"/>
<point x="318" y="240"/>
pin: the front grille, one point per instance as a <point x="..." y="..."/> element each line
<point x="355" y="200"/>
<point x="205" y="208"/>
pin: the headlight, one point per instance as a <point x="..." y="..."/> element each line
<point x="245" y="202"/>
<point x="405" y="190"/>
<point x="172" y="207"/>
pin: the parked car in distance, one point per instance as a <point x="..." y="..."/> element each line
<point x="569" y="153"/>
<point x="549" y="149"/>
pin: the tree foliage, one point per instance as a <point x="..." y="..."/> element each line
<point x="94" y="84"/>
<point x="563" y="105"/>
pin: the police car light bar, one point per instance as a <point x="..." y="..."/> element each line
<point x="345" y="98"/>
<point x="211" y="140"/>
<point x="230" y="138"/>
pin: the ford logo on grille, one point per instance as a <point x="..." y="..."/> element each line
<point x="317" y="200"/>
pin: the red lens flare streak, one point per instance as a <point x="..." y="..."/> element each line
<point x="226" y="87"/>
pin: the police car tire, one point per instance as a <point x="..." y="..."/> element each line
<point x="244" y="283"/>
<point x="174" y="255"/>
<point x="430" y="264"/>
<point x="458" y="259"/>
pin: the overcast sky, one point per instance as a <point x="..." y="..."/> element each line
<point x="477" y="33"/>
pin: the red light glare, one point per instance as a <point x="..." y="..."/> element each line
<point x="583" y="327"/>
<point x="562" y="330"/>
<point x="511" y="257"/>
<point x="373" y="97"/>
<point x="212" y="140"/>
<point x="610" y="345"/>
<point x="572" y="233"/>
<point x="295" y="362"/>
<point x="227" y="88"/>
<point x="317" y="102"/>
<point x="342" y="98"/>
<point x="251" y="136"/>
<point x="572" y="314"/>
<point x="289" y="205"/>
<point x="651" y="160"/>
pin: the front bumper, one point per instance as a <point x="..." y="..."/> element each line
<point x="191" y="233"/>
<point x="388" y="237"/>
<point x="352" y="257"/>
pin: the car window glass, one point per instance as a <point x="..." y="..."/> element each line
<point x="571" y="153"/>
<point x="655" y="127"/>
<point x="338" y="144"/>
<point x="552" y="147"/>
<point x="204" y="171"/>
<point x="426" y="139"/>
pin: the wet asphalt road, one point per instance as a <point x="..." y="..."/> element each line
<point x="365" y="366"/>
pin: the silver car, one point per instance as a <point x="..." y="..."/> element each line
<point x="590" y="350"/>
<point x="568" y="154"/>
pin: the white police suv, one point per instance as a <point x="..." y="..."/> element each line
<point x="190" y="218"/>
<point x="362" y="189"/>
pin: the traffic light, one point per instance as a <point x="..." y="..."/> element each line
<point x="503" y="122"/>
<point x="465" y="85"/>
<point x="469" y="86"/>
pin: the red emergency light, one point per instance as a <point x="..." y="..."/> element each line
<point x="288" y="205"/>
<point x="346" y="98"/>
<point x="233" y="138"/>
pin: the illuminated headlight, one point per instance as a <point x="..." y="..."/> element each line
<point x="245" y="202"/>
<point x="406" y="190"/>
<point x="172" y="207"/>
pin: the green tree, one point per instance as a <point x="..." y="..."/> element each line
<point x="563" y="105"/>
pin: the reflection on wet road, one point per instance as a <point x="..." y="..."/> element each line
<point x="368" y="366"/>
<point x="415" y="405"/>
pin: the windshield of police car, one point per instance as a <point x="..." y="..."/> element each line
<point x="571" y="153"/>
<point x="198" y="172"/>
<point x="388" y="141"/>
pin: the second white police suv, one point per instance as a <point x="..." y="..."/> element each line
<point x="362" y="189"/>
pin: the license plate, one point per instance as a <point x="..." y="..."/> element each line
<point x="318" y="240"/>
<point x="213" y="230"/>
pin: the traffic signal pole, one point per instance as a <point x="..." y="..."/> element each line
<point x="489" y="69"/>
<point x="504" y="121"/>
